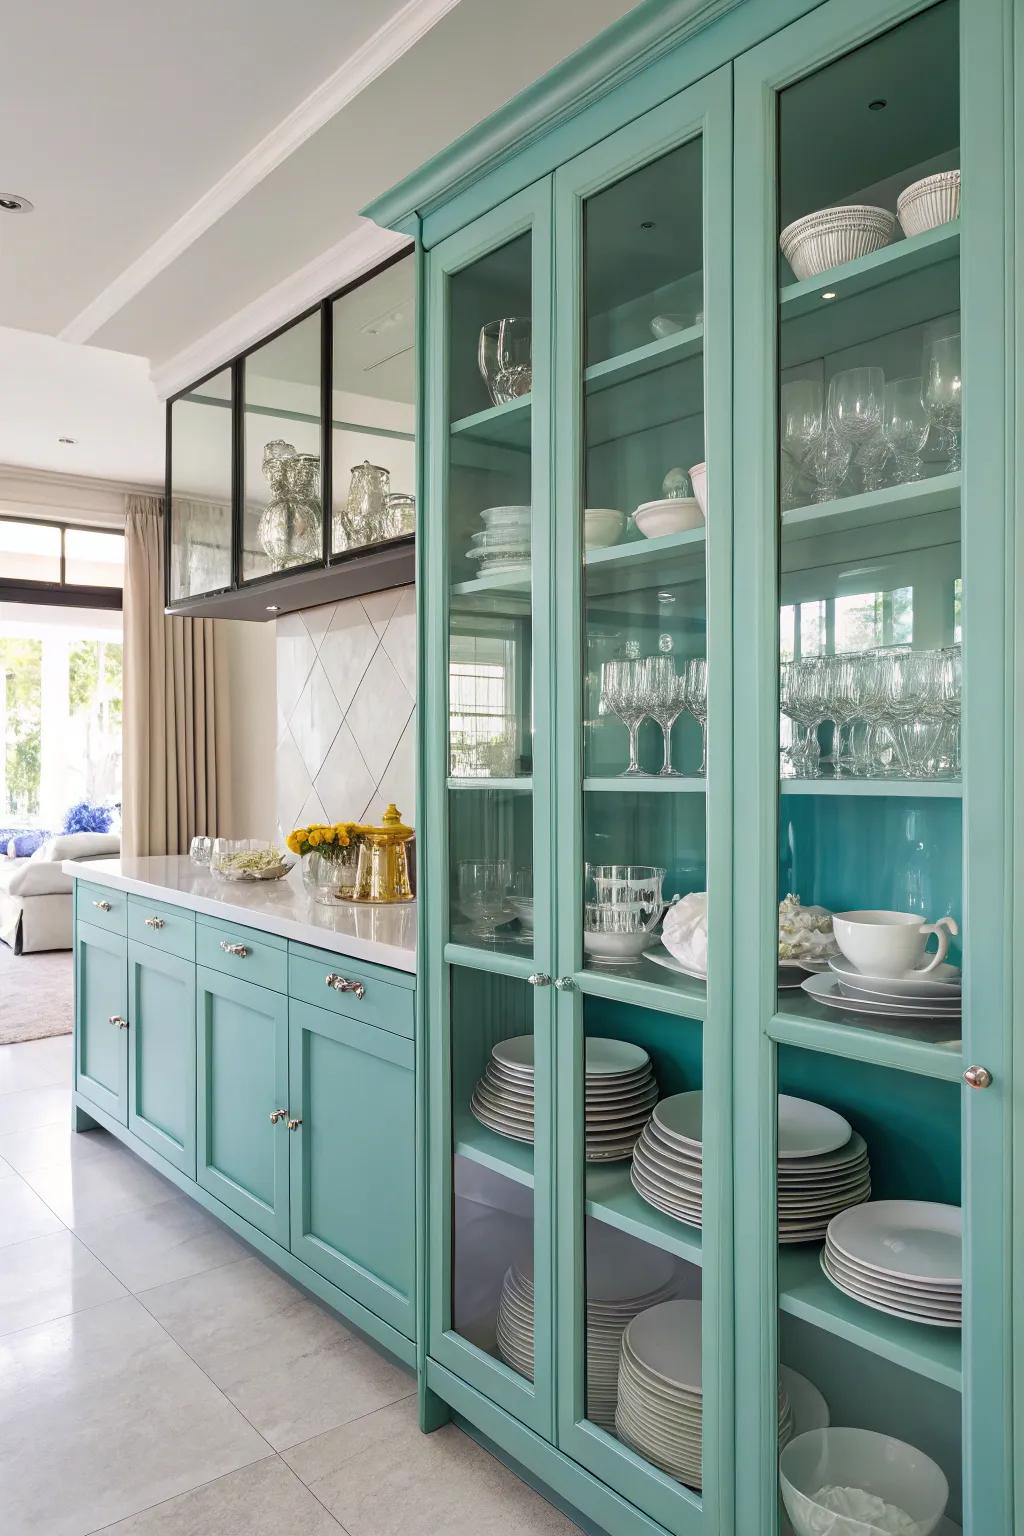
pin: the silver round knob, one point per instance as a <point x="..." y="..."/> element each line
<point x="978" y="1077"/>
<point x="539" y="979"/>
<point x="565" y="983"/>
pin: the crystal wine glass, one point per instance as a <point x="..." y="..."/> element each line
<point x="948" y="683"/>
<point x="801" y="416"/>
<point x="696" y="691"/>
<point x="623" y="695"/>
<point x="827" y="463"/>
<point x="483" y="894"/>
<point x="905" y="425"/>
<point x="855" y="400"/>
<point x="668" y="701"/>
<point x="942" y="393"/>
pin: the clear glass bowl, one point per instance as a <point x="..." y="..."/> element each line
<point x="248" y="858"/>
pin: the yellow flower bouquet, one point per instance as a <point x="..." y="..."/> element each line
<point x="333" y="850"/>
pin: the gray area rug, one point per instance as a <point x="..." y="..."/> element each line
<point x="35" y="995"/>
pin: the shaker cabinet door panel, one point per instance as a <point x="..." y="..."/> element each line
<point x="101" y="1016"/>
<point x="162" y="1054"/>
<point x="241" y="1153"/>
<point x="352" y="1159"/>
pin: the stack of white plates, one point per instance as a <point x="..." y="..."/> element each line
<point x="621" y="1091"/>
<point x="623" y="1279"/>
<point x="934" y="994"/>
<point x="902" y="1257"/>
<point x="660" y="1397"/>
<point x="822" y="1164"/>
<point x="503" y="544"/>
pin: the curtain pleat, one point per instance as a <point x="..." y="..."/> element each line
<point x="176" y="745"/>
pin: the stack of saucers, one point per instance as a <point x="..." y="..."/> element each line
<point x="621" y="1091"/>
<point x="623" y="1279"/>
<point x="822" y="1164"/>
<point x="932" y="995"/>
<point x="903" y="1257"/>
<point x="503" y="544"/>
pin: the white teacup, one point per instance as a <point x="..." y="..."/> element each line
<point x="891" y="943"/>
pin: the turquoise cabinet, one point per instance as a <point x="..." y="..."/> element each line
<point x="351" y="1102"/>
<point x="101" y="1019"/>
<point x="162" y="1054"/>
<point x="242" y="1097"/>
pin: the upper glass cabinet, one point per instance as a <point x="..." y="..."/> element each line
<point x="201" y="485"/>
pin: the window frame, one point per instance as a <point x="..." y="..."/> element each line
<point x="60" y="593"/>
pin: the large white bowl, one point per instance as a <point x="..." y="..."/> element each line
<point x="859" y="1459"/>
<point x="602" y="527"/>
<point x="674" y="514"/>
<point x="820" y="241"/>
<point x="699" y="481"/>
<point x="929" y="202"/>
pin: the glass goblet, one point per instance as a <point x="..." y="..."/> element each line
<point x="668" y="702"/>
<point x="483" y="894"/>
<point x="828" y="463"/>
<point x="696" y="691"/>
<point x="623" y="694"/>
<point x="801" y="415"/>
<point x="855" y="400"/>
<point x="942" y="393"/>
<point x="905" y="426"/>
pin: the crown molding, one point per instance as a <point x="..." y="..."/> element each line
<point x="359" y="70"/>
<point x="50" y="495"/>
<point x="342" y="263"/>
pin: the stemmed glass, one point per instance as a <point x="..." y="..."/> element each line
<point x="801" y="419"/>
<point x="625" y="692"/>
<point x="484" y="894"/>
<point x="800" y="699"/>
<point x="827" y="463"/>
<point x="696" y="692"/>
<point x="942" y="392"/>
<point x="947" y="687"/>
<point x="668" y="701"/>
<point x="855" y="399"/>
<point x="843" y="704"/>
<point x="905" y="426"/>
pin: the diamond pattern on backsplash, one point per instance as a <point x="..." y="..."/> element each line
<point x="346" y="680"/>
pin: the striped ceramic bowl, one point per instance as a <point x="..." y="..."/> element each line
<point x="927" y="203"/>
<point x="820" y="241"/>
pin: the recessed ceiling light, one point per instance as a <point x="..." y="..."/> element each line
<point x="10" y="202"/>
<point x="385" y="322"/>
<point x="273" y="608"/>
<point x="878" y="105"/>
<point x="70" y="441"/>
<point x="830" y="294"/>
<point x="647" y="224"/>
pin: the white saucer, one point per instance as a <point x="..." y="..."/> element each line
<point x="943" y="983"/>
<point x="825" y="990"/>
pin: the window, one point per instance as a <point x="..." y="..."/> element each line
<point x="482" y="708"/>
<point x="39" y="560"/>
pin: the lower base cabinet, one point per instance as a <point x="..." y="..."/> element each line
<point x="352" y="1158"/>
<point x="242" y="1149"/>
<point x="162" y="1054"/>
<point x="101" y="1027"/>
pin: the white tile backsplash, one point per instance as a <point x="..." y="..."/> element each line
<point x="346" y="680"/>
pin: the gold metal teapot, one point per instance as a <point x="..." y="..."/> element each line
<point x="382" y="872"/>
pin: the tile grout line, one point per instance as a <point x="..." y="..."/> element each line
<point x="98" y="1530"/>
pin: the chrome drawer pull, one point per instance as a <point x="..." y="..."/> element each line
<point x="234" y="949"/>
<point x="978" y="1077"/>
<point x="104" y="906"/>
<point x="277" y="1114"/>
<point x="118" y="1021"/>
<point x="154" y="922"/>
<point x="342" y="984"/>
<point x="293" y="1125"/>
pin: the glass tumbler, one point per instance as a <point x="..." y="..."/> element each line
<point x="505" y="358"/>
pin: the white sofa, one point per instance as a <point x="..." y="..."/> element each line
<point x="35" y="893"/>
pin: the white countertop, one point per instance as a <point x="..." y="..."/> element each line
<point x="383" y="935"/>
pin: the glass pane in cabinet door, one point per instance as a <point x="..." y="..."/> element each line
<point x="492" y="1087"/>
<point x="282" y="514"/>
<point x="490" y="525"/>
<point x="373" y="413"/>
<point x="201" y="459"/>
<point x="644" y="637"/>
<point x="870" y="826"/>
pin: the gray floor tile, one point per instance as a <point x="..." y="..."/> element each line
<point x="164" y="1242"/>
<point x="91" y="1188"/>
<point x="42" y="1146"/>
<point x="23" y="1215"/>
<point x="29" y="1107"/>
<point x="102" y="1415"/>
<point x="35" y="1064"/>
<point x="49" y="1277"/>
<point x="266" y="1499"/>
<point x="291" y="1367"/>
<point x="381" y="1477"/>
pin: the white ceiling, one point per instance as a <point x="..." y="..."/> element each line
<point x="186" y="159"/>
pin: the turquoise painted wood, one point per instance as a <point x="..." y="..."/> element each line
<point x="249" y="954"/>
<point x="101" y="1019"/>
<point x="352" y="1159"/>
<point x="162" y="1053"/>
<point x="342" y="986"/>
<point x="162" y="926"/>
<point x="102" y="907"/>
<point x="242" y="1055"/>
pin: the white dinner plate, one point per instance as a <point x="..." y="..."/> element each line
<point x="879" y="1305"/>
<point x="810" y="1410"/>
<point x="942" y="983"/>
<point x="913" y="1239"/>
<point x="807" y="1129"/>
<point x="862" y="1275"/>
<point x="791" y="972"/>
<point x="940" y="1007"/>
<point x="929" y="1304"/>
<point x="825" y="990"/>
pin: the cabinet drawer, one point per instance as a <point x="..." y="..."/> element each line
<point x="171" y="929"/>
<point x="102" y="907"/>
<point x="243" y="952"/>
<point x="382" y="1004"/>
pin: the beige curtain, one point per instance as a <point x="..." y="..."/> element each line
<point x="176" y="773"/>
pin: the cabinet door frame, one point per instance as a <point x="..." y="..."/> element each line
<point x="99" y="940"/>
<point x="828" y="32"/>
<point x="274" y="1222"/>
<point x="140" y="956"/>
<point x="703" y="110"/>
<point x="394" y="1306"/>
<point x="533" y="1403"/>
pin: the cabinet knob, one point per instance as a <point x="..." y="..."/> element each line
<point x="342" y="984"/>
<point x="539" y="979"/>
<point x="293" y="1125"/>
<point x="234" y="949"/>
<point x="154" y="922"/>
<point x="104" y="906"/>
<point x="118" y="1022"/>
<point x="277" y="1114"/>
<point x="565" y="984"/>
<point x="978" y="1077"/>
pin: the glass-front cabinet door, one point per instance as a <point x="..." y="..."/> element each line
<point x="870" y="1192"/>
<point x="487" y="821"/>
<point x="201" y="474"/>
<point x="642" y="605"/>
